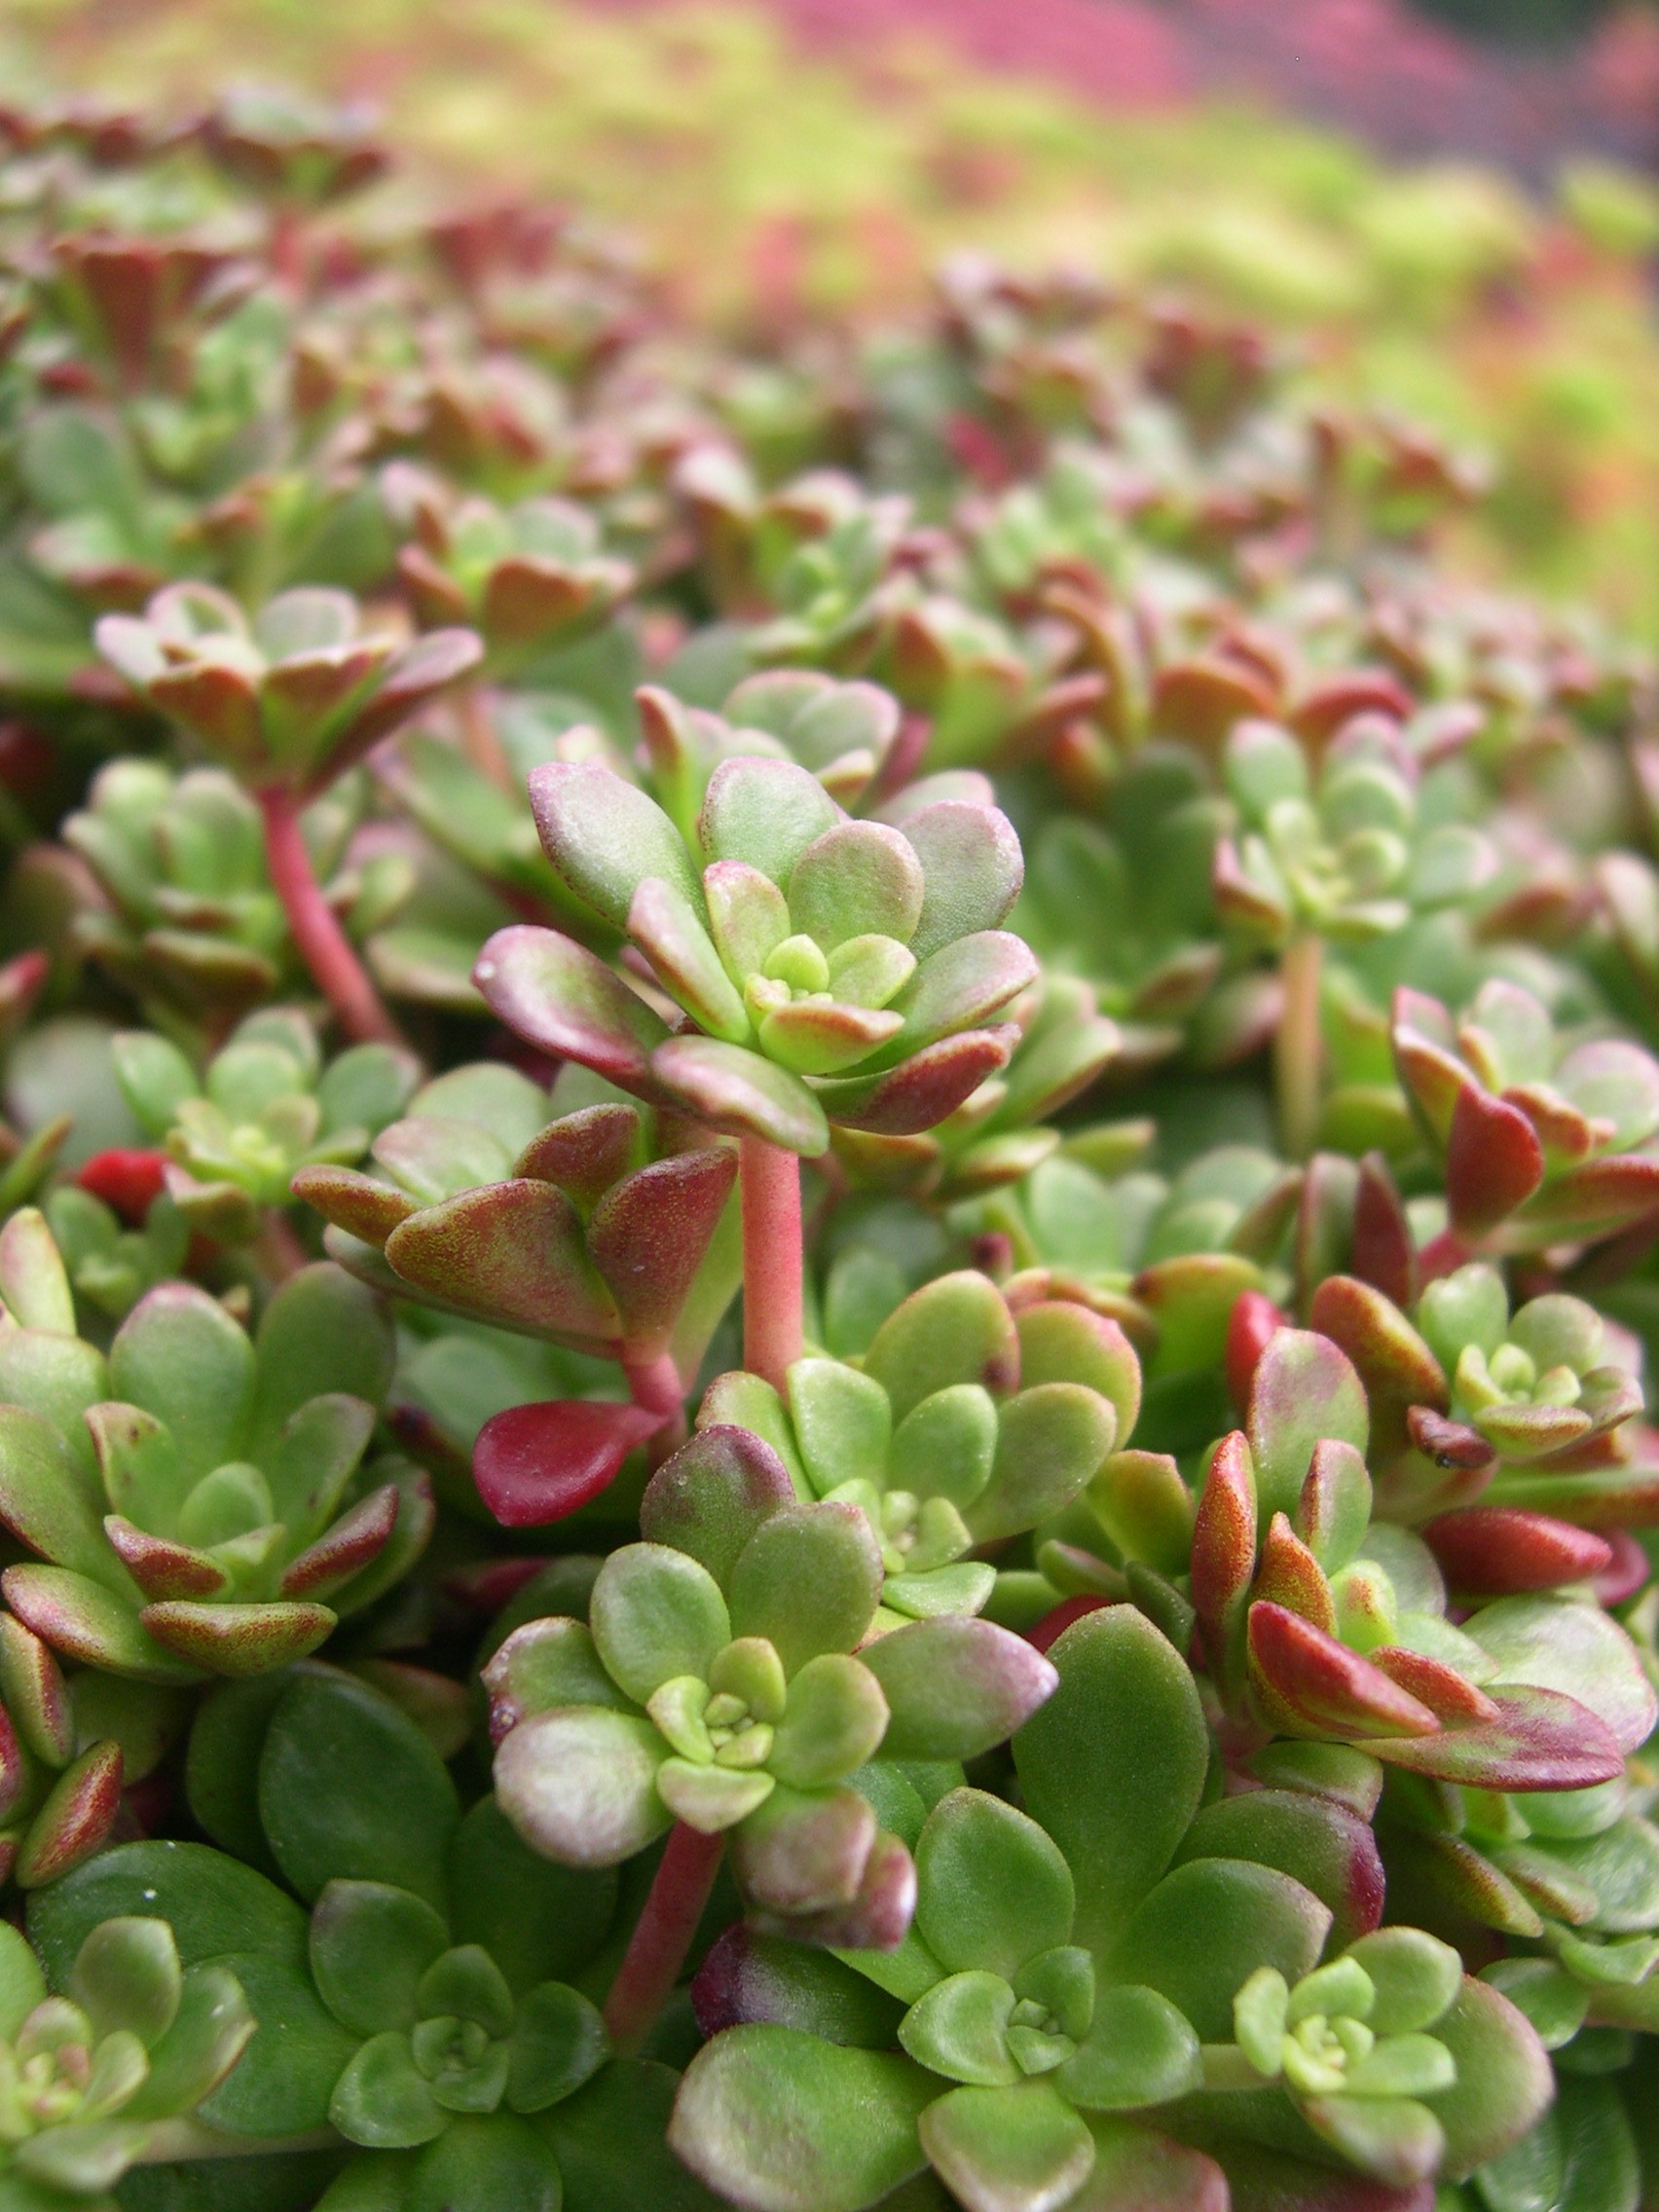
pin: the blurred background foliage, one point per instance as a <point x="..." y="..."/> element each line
<point x="760" y="177"/>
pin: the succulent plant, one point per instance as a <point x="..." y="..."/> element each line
<point x="264" y="1107"/>
<point x="725" y="1682"/>
<point x="197" y="1520"/>
<point x="93" y="2076"/>
<point x="1001" y="1458"/>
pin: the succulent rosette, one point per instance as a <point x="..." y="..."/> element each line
<point x="962" y="1425"/>
<point x="264" y="1107"/>
<point x="1545" y="1139"/>
<point x="831" y="970"/>
<point x="90" y="2077"/>
<point x="290" y="698"/>
<point x="195" y="1496"/>
<point x="728" y="1679"/>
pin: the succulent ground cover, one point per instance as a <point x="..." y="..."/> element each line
<point x="826" y="1245"/>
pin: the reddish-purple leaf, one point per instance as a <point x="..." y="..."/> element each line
<point x="1310" y="1683"/>
<point x="1383" y="1252"/>
<point x="238" y="1639"/>
<point x="75" y="1819"/>
<point x="584" y="1153"/>
<point x="513" y="1252"/>
<point x="1224" y="1554"/>
<point x="562" y="999"/>
<point x="352" y="1201"/>
<point x="1601" y="1196"/>
<point x="1253" y="1320"/>
<point x="161" y="1567"/>
<point x="540" y="1462"/>
<point x="921" y="1091"/>
<point x="355" y="1538"/>
<point x="1540" y="1740"/>
<point x="1446" y="1693"/>
<point x="648" y="1236"/>
<point x="1493" y="1551"/>
<point x="1493" y="1161"/>
<point x="877" y="1918"/>
<point x="1290" y="1575"/>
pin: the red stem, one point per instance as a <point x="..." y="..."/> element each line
<point x="662" y="1936"/>
<point x="323" y="945"/>
<point x="773" y="1329"/>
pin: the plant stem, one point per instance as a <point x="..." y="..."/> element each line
<point x="277" y="1247"/>
<point x="655" y="1385"/>
<point x="170" y="2140"/>
<point x="773" y="1331"/>
<point x="483" y="747"/>
<point x="1297" y="1049"/>
<point x="662" y="1935"/>
<point x="323" y="945"/>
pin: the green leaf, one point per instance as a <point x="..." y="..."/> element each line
<point x="604" y="837"/>
<point x="212" y="1904"/>
<point x="370" y="1944"/>
<point x="955" y="1329"/>
<point x="1015" y="2150"/>
<point x="283" y="2081"/>
<point x="23" y="1986"/>
<point x="558" y="2044"/>
<point x="764" y="813"/>
<point x="992" y="1889"/>
<point x="1114" y="1764"/>
<point x="835" y="1717"/>
<point x="1504" y="2080"/>
<point x="212" y="2029"/>
<point x="1304" y="1389"/>
<point x="1565" y="1644"/>
<point x="1207" y="1927"/>
<point x="221" y="1774"/>
<point x="858" y="879"/>
<point x="381" y="2099"/>
<point x="712" y="1495"/>
<point x="466" y="1984"/>
<point x="946" y="1446"/>
<point x="809" y="1581"/>
<point x="1051" y="1442"/>
<point x="842" y="1424"/>
<point x="1415" y="1978"/>
<point x="954" y="1688"/>
<point x="656" y="1614"/>
<point x="1581" y="2157"/>
<point x="1323" y="1846"/>
<point x="127" y="1975"/>
<point x="784" y="2123"/>
<point x="738" y="1092"/>
<point x="1139" y="2050"/>
<point x="351" y="1790"/>
<point x="323" y="1331"/>
<point x="180" y="1356"/>
<point x="579" y="1785"/>
<point x="539" y="1922"/>
<point x="49" y="1501"/>
<point x="958" y="2029"/>
<point x="611" y="2143"/>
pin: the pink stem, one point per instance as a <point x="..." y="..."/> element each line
<point x="323" y="945"/>
<point x="655" y="1385"/>
<point x="773" y="1329"/>
<point x="662" y="1936"/>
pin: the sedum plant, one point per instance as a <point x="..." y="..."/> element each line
<point x="944" y="1494"/>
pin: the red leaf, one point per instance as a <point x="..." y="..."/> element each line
<point x="1381" y="1252"/>
<point x="1540" y="1740"/>
<point x="1495" y="1551"/>
<point x="1058" y="1618"/>
<point x="1253" y="1320"/>
<point x="1308" y="1680"/>
<point x="538" y="1463"/>
<point x="128" y="1179"/>
<point x="1493" y="1161"/>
